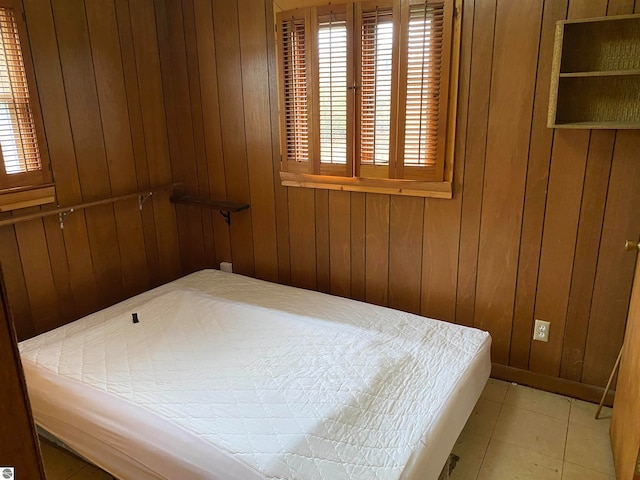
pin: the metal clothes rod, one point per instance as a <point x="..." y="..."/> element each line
<point x="63" y="212"/>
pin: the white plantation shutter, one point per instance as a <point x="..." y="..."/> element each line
<point x="332" y="88"/>
<point x="18" y="140"/>
<point x="423" y="83"/>
<point x="295" y="83"/>
<point x="375" y="86"/>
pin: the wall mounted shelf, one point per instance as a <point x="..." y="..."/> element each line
<point x="595" y="81"/>
<point x="225" y="208"/>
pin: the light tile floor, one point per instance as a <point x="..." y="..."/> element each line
<point x="514" y="433"/>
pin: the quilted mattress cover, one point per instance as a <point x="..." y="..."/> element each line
<point x="228" y="377"/>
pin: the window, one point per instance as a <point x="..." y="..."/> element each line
<point x="21" y="155"/>
<point x="365" y="94"/>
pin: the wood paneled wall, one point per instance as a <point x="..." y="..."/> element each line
<point x="97" y="69"/>
<point x="139" y="93"/>
<point x="535" y="228"/>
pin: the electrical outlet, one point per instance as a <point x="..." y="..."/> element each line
<point x="541" y="331"/>
<point x="226" y="267"/>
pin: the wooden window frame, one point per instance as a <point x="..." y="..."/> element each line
<point x="394" y="178"/>
<point x="20" y="190"/>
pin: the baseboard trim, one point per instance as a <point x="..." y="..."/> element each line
<point x="548" y="383"/>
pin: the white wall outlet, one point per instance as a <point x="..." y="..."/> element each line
<point x="541" y="331"/>
<point x="226" y="267"/>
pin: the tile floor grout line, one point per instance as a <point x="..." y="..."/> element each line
<point x="484" y="456"/>
<point x="536" y="412"/>
<point x="566" y="440"/>
<point x="491" y="436"/>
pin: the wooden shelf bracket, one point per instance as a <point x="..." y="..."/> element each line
<point x="225" y="208"/>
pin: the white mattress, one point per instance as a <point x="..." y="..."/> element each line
<point x="228" y="377"/>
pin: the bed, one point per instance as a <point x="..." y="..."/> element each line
<point x="229" y="377"/>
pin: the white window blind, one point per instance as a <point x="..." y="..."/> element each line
<point x="426" y="24"/>
<point x="18" y="140"/>
<point x="294" y="53"/>
<point x="375" y="88"/>
<point x="332" y="87"/>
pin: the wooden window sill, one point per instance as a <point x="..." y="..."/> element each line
<point x="413" y="188"/>
<point x="23" y="197"/>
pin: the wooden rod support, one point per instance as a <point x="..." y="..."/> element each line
<point x="63" y="212"/>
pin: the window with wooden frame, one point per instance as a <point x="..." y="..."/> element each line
<point x="25" y="177"/>
<point x="368" y="95"/>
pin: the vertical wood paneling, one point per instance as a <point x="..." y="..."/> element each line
<point x="406" y="235"/>
<point x="377" y="249"/>
<point x="340" y="243"/>
<point x="255" y="70"/>
<point x="568" y="164"/>
<point x="44" y="50"/>
<point x="137" y="134"/>
<point x="116" y="119"/>
<point x="79" y="255"/>
<point x="478" y="115"/>
<point x="101" y="100"/>
<point x="596" y="184"/>
<point x="107" y="61"/>
<point x="358" y="245"/>
<point x="587" y="8"/>
<point x="48" y="71"/>
<point x="521" y="236"/>
<point x="180" y="124"/>
<point x="37" y="274"/>
<point x="323" y="267"/>
<point x="202" y="170"/>
<point x="211" y="120"/>
<point x="441" y="233"/>
<point x="439" y="276"/>
<point x="88" y="138"/>
<point x="147" y="57"/>
<point x="516" y="42"/>
<point x="303" y="238"/>
<point x="229" y="68"/>
<point x="620" y="7"/>
<point x="566" y="178"/>
<point x="280" y="192"/>
<point x="59" y="261"/>
<point x="535" y="192"/>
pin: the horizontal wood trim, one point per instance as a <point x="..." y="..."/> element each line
<point x="411" y="188"/>
<point x="23" y="197"/>
<point x="599" y="19"/>
<point x="81" y="206"/>
<point x="562" y="386"/>
<point x="597" y="125"/>
<point x="602" y="73"/>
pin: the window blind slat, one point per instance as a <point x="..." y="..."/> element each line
<point x="17" y="128"/>
<point x="295" y="90"/>
<point x="375" y="86"/>
<point x="426" y="24"/>
<point x="332" y="86"/>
